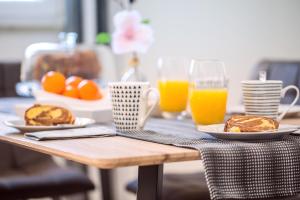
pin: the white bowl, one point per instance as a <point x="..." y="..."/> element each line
<point x="99" y="110"/>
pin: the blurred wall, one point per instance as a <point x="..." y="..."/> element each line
<point x="238" y="32"/>
<point x="13" y="42"/>
<point x="25" y="22"/>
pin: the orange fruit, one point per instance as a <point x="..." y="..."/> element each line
<point x="53" y="82"/>
<point x="71" y="91"/>
<point x="88" y="90"/>
<point x="73" y="80"/>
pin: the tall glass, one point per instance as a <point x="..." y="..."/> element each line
<point x="173" y="86"/>
<point x="208" y="91"/>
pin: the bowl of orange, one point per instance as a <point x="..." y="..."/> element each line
<point x="73" y="86"/>
<point x="84" y="97"/>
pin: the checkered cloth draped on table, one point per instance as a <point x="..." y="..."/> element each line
<point x="233" y="169"/>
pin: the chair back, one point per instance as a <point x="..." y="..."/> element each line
<point x="6" y="157"/>
<point x="13" y="157"/>
<point x="9" y="76"/>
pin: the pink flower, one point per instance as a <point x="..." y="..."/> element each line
<point x="131" y="35"/>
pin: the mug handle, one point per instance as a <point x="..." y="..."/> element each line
<point x="145" y="96"/>
<point x="283" y="92"/>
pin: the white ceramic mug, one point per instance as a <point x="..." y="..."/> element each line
<point x="130" y="104"/>
<point x="263" y="97"/>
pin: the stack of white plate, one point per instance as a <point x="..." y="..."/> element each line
<point x="262" y="98"/>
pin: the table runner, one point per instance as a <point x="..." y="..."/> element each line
<point x="233" y="169"/>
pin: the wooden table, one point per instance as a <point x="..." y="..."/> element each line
<point x="114" y="152"/>
<point x="7" y="105"/>
<point x="107" y="153"/>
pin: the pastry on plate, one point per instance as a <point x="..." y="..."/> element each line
<point x="48" y="115"/>
<point x="241" y="123"/>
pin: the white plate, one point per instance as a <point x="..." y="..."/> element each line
<point x="20" y="124"/>
<point x="217" y="130"/>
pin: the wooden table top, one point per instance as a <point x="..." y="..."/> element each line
<point x="110" y="152"/>
<point x="106" y="152"/>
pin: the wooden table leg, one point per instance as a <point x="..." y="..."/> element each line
<point x="150" y="182"/>
<point x="106" y="183"/>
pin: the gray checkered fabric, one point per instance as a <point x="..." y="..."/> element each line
<point x="235" y="170"/>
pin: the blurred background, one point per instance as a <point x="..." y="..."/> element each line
<point x="240" y="33"/>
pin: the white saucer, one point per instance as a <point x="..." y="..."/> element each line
<point x="20" y="124"/>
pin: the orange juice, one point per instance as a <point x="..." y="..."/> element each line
<point x="208" y="106"/>
<point x="173" y="95"/>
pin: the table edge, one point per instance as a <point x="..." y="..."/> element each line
<point x="107" y="163"/>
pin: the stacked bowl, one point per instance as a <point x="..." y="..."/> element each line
<point x="262" y="97"/>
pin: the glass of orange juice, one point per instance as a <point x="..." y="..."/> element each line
<point x="207" y="91"/>
<point x="173" y="86"/>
